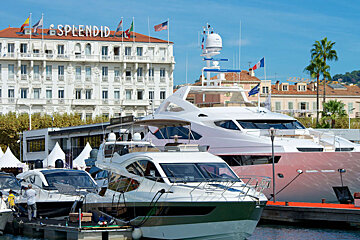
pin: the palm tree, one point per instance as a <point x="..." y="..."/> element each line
<point x="335" y="109"/>
<point x="317" y="67"/>
<point x="324" y="49"/>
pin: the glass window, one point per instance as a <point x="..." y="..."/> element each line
<point x="170" y="132"/>
<point x="23" y="92"/>
<point x="88" y="94"/>
<point x="8" y="181"/>
<point x="76" y="178"/>
<point x="145" y="168"/>
<point x="23" y="69"/>
<point x="105" y="71"/>
<point x="277" y="106"/>
<point x="140" y="94"/>
<point x="78" y="94"/>
<point x="104" y="94"/>
<point x="162" y="95"/>
<point x="162" y="72"/>
<point x="151" y="94"/>
<point x="267" y="124"/>
<point x="11" y="93"/>
<point x="228" y="124"/>
<point x="290" y="105"/>
<point x="61" y="93"/>
<point x="77" y="49"/>
<point x="36" y="145"/>
<point x="151" y="51"/>
<point x="11" y="47"/>
<point x="61" y="70"/>
<point x="116" y="94"/>
<point x="116" y="72"/>
<point x="350" y="107"/>
<point x="151" y="72"/>
<point x="61" y="49"/>
<point x="139" y="51"/>
<point x="127" y="51"/>
<point x="104" y="50"/>
<point x="128" y="94"/>
<point x="36" y="71"/>
<point x="11" y="70"/>
<point x="23" y="47"/>
<point x="128" y="73"/>
<point x="78" y="72"/>
<point x="122" y="184"/>
<point x="48" y="93"/>
<point x="36" y="93"/>
<point x="48" y="70"/>
<point x="88" y="71"/>
<point x="140" y="72"/>
<point x="88" y="49"/>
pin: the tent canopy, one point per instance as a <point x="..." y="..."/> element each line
<point x="79" y="162"/>
<point x="1" y="152"/>
<point x="56" y="153"/>
<point x="8" y="160"/>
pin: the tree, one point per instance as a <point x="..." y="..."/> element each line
<point x="324" y="50"/>
<point x="317" y="67"/>
<point x="334" y="109"/>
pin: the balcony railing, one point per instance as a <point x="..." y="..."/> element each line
<point x="61" y="77"/>
<point x="78" y="77"/>
<point x="105" y="78"/>
<point x="24" y="76"/>
<point x="88" y="78"/>
<point x="117" y="79"/>
<point x="128" y="78"/>
<point x="48" y="78"/>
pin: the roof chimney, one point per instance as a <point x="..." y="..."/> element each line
<point x="251" y="72"/>
<point x="277" y="85"/>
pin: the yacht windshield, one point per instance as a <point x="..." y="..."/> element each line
<point x="198" y="172"/>
<point x="9" y="182"/>
<point x="78" y="179"/>
<point x="267" y="124"/>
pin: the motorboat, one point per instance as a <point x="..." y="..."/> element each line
<point x="8" y="182"/>
<point x="309" y="165"/>
<point x="58" y="190"/>
<point x="5" y="214"/>
<point x="180" y="193"/>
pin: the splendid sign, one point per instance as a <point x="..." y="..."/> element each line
<point x="83" y="31"/>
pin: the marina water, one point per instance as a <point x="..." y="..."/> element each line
<point x="278" y="232"/>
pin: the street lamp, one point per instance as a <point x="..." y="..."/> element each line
<point x="350" y="110"/>
<point x="272" y="137"/>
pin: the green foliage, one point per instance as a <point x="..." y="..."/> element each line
<point x="353" y="77"/>
<point x="11" y="125"/>
<point x="333" y="110"/>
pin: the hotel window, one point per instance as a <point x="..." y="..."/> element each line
<point x="277" y="106"/>
<point x="162" y="52"/>
<point x="23" y="47"/>
<point x="285" y="87"/>
<point x="290" y="105"/>
<point x="78" y="94"/>
<point x="151" y="94"/>
<point x="128" y="94"/>
<point x="23" y="69"/>
<point x="104" y="94"/>
<point x="139" y="51"/>
<point x="117" y="72"/>
<point x="117" y="51"/>
<point x="304" y="106"/>
<point x="162" y="72"/>
<point x="77" y="49"/>
<point x="350" y="107"/>
<point x="117" y="94"/>
<point x="36" y="51"/>
<point x="140" y="72"/>
<point x="151" y="72"/>
<point x="36" y="72"/>
<point x="314" y="105"/>
<point x="162" y="95"/>
<point x="11" y="47"/>
<point x="36" y="93"/>
<point x="61" y="70"/>
<point x="151" y="51"/>
<point x="48" y="93"/>
<point x="23" y="92"/>
<point x="140" y="94"/>
<point x="302" y="88"/>
<point x="11" y="71"/>
<point x="11" y="93"/>
<point x="88" y="73"/>
<point x="105" y="72"/>
<point x="61" y="49"/>
<point x="104" y="50"/>
<point x="265" y="89"/>
<point x="48" y="71"/>
<point x="127" y="51"/>
<point x="88" y="49"/>
<point x="78" y="73"/>
<point x="88" y="93"/>
<point x="61" y="94"/>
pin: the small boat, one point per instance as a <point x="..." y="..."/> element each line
<point x="57" y="189"/>
<point x="5" y="214"/>
<point x="179" y="193"/>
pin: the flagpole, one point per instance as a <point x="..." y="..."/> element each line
<point x="122" y="31"/>
<point x="30" y="32"/>
<point x="168" y="30"/>
<point x="264" y="77"/>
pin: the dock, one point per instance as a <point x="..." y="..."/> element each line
<point x="300" y="212"/>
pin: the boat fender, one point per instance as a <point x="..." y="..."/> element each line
<point x="136" y="233"/>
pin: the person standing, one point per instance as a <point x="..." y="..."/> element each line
<point x="30" y="195"/>
<point x="11" y="200"/>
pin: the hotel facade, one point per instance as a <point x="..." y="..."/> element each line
<point x="90" y="73"/>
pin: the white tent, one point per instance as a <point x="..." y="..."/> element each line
<point x="56" y="153"/>
<point x="79" y="162"/>
<point x="8" y="160"/>
<point x="1" y="152"/>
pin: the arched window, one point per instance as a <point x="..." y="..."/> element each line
<point x="88" y="49"/>
<point x="77" y="49"/>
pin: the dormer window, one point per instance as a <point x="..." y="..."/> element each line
<point x="301" y="87"/>
<point x="285" y="88"/>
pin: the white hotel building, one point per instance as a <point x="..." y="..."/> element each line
<point x="87" y="75"/>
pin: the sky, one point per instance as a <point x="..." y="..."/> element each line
<point x="281" y="31"/>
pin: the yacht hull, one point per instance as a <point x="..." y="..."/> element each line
<point x="4" y="216"/>
<point x="319" y="175"/>
<point x="197" y="220"/>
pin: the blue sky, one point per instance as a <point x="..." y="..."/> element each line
<point x="282" y="31"/>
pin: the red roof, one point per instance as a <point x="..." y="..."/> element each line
<point x="11" y="32"/>
<point x="349" y="91"/>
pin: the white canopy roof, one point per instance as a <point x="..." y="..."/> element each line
<point x="8" y="160"/>
<point x="56" y="153"/>
<point x="79" y="162"/>
<point x="1" y="152"/>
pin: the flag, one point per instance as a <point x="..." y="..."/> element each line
<point x="161" y="26"/>
<point x="267" y="103"/>
<point x="119" y="26"/>
<point x="26" y="23"/>
<point x="38" y="24"/>
<point x="202" y="43"/>
<point x="254" y="90"/>
<point x="128" y="32"/>
<point x="260" y="64"/>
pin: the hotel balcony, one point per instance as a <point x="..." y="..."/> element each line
<point x="128" y="102"/>
<point x="117" y="79"/>
<point x="31" y="101"/>
<point x="84" y="102"/>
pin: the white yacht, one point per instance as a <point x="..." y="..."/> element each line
<point x="180" y="194"/>
<point x="309" y="165"/>
<point x="57" y="189"/>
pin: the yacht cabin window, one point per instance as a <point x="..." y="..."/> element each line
<point x="227" y="124"/>
<point x="181" y="132"/>
<point x="145" y="168"/>
<point x="267" y="124"/>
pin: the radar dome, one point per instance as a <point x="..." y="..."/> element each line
<point x="137" y="137"/>
<point x="111" y="137"/>
<point x="213" y="42"/>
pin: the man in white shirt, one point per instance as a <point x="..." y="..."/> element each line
<point x="31" y="202"/>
